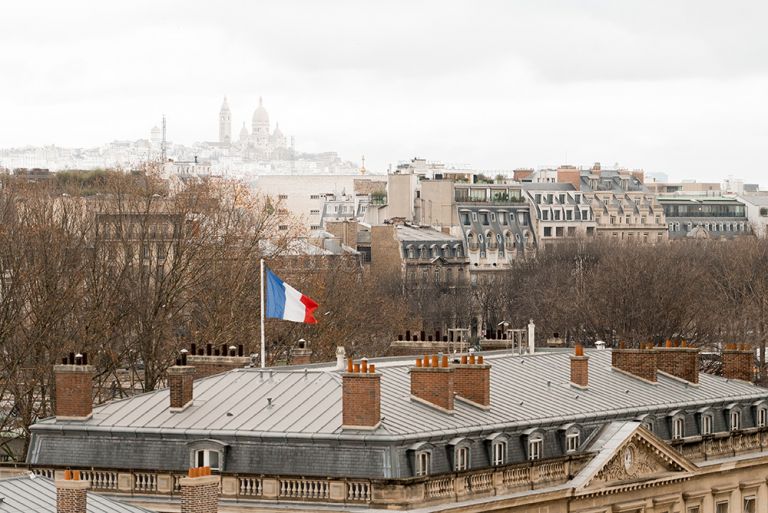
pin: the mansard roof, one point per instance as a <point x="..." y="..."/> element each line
<point x="305" y="402"/>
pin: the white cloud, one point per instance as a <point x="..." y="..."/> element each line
<point x="667" y="86"/>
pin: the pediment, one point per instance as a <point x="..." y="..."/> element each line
<point x="640" y="456"/>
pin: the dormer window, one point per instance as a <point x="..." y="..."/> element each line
<point x="678" y="428"/>
<point x="461" y="458"/>
<point x="706" y="424"/>
<point x="499" y="453"/>
<point x="207" y="458"/>
<point x="762" y="416"/>
<point x="735" y="417"/>
<point x="535" y="447"/>
<point x="423" y="463"/>
<point x="572" y="441"/>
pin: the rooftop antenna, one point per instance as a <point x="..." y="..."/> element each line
<point x="162" y="144"/>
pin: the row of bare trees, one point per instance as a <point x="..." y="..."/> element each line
<point x="707" y="292"/>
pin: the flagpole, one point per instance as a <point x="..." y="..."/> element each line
<point x="263" y="342"/>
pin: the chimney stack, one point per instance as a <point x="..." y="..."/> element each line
<point x="180" y="382"/>
<point x="432" y="382"/>
<point x="301" y="354"/>
<point x="71" y="493"/>
<point x="360" y="396"/>
<point x="738" y="362"/>
<point x="472" y="380"/>
<point x="199" y="491"/>
<point x="207" y="360"/>
<point x="74" y="388"/>
<point x="679" y="360"/>
<point x="579" y="368"/>
<point x="641" y="362"/>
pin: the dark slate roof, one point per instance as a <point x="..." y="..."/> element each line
<point x="551" y="186"/>
<point x="526" y="391"/>
<point x="25" y="494"/>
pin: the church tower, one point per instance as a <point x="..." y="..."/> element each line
<point x="225" y="124"/>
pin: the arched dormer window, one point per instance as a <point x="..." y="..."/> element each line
<point x="434" y="250"/>
<point x="458" y="250"/>
<point x="423" y="251"/>
<point x="411" y="251"/>
<point x="421" y="458"/>
<point x="677" y="424"/>
<point x="461" y="454"/>
<point x="706" y="421"/>
<point x="761" y="413"/>
<point x="446" y="248"/>
<point x="648" y="422"/>
<point x="733" y="412"/>
<point x="572" y="434"/>
<point x="498" y="449"/>
<point x="534" y="444"/>
<point x="207" y="453"/>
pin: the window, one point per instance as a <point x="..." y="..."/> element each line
<point x="569" y="215"/>
<point x="160" y="252"/>
<point x="559" y="231"/>
<point x="750" y="504"/>
<point x="762" y="417"/>
<point x="207" y="458"/>
<point x="314" y="212"/>
<point x="282" y="196"/>
<point x="462" y="459"/>
<point x="678" y="428"/>
<point x="556" y="215"/>
<point x="706" y="424"/>
<point x="465" y="218"/>
<point x="314" y="196"/>
<point x="483" y="217"/>
<point x="735" y="420"/>
<point x="547" y="231"/>
<point x="283" y="227"/>
<point x="315" y="227"/>
<point x="499" y="453"/>
<point x="571" y="231"/>
<point x="545" y="215"/>
<point x="721" y="507"/>
<point x="572" y="441"/>
<point x="648" y="425"/>
<point x="535" y="446"/>
<point x="423" y="463"/>
<point x="693" y="509"/>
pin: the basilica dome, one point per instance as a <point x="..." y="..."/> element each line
<point x="260" y="114"/>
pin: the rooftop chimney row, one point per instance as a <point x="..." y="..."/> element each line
<point x="738" y="362"/>
<point x="74" y="387"/>
<point x="71" y="493"/>
<point x="679" y="360"/>
<point x="208" y="360"/>
<point x="432" y="381"/>
<point x="472" y="380"/>
<point x="639" y="362"/>
<point x="199" y="491"/>
<point x="579" y="368"/>
<point x="361" y="396"/>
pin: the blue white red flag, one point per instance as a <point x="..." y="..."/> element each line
<point x="285" y="302"/>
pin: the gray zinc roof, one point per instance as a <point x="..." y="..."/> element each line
<point x="25" y="494"/>
<point x="531" y="390"/>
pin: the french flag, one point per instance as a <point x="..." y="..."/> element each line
<point x="285" y="302"/>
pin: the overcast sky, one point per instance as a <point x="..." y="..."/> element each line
<point x="675" y="87"/>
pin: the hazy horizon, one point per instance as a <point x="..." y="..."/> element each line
<point x="677" y="88"/>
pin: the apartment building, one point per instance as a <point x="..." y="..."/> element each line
<point x="705" y="217"/>
<point x="559" y="212"/>
<point x="586" y="431"/>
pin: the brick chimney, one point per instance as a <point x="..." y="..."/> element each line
<point x="472" y="380"/>
<point x="208" y="360"/>
<point x="679" y="360"/>
<point x="360" y="396"/>
<point x="640" y="362"/>
<point x="199" y="491"/>
<point x="738" y="362"/>
<point x="579" y="368"/>
<point x="301" y="354"/>
<point x="180" y="382"/>
<point x="432" y="382"/>
<point x="71" y="493"/>
<point x="74" y="388"/>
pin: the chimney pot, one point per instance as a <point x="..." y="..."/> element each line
<point x="364" y="365"/>
<point x="350" y="365"/>
<point x="357" y="368"/>
<point x="418" y="362"/>
<point x="434" y="360"/>
<point x="464" y="359"/>
<point x="426" y="361"/>
<point x="372" y="368"/>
